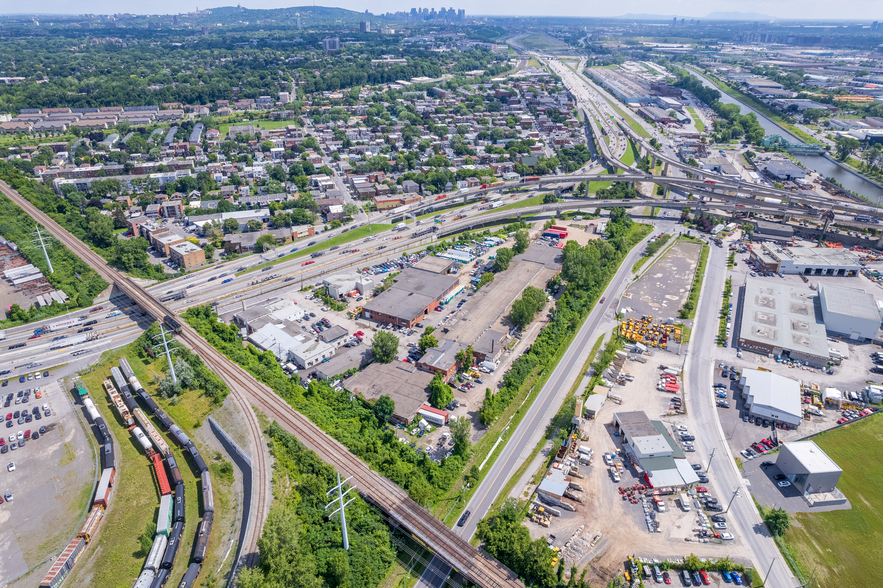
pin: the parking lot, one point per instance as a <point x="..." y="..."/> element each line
<point x="663" y="289"/>
<point x="50" y="485"/>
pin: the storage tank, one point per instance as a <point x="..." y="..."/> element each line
<point x="142" y="438"/>
<point x="90" y="408"/>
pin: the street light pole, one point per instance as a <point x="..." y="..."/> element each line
<point x="710" y="459"/>
<point x="735" y="494"/>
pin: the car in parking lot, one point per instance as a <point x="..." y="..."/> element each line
<point x="737" y="579"/>
<point x="718" y="519"/>
<point x="784" y="484"/>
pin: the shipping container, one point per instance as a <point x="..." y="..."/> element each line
<point x="154" y="558"/>
<point x="164" y="518"/>
<point x="104" y="486"/>
<point x="208" y="500"/>
<point x="63" y="564"/>
<point x="90" y="526"/>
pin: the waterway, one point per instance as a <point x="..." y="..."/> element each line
<point x="819" y="163"/>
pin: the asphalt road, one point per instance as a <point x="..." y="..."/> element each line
<point x="533" y="426"/>
<point x="725" y="477"/>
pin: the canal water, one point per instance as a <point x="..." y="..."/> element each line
<point x="820" y="163"/>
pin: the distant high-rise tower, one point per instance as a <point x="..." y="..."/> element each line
<point x="297" y="21"/>
<point x="365" y="26"/>
<point x="461" y="14"/>
<point x="674" y="22"/>
<point x="875" y="26"/>
<point x="331" y="44"/>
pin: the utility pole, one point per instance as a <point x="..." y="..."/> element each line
<point x="39" y="239"/>
<point x="710" y="459"/>
<point x="167" y="350"/>
<point x="768" y="571"/>
<point x="735" y="494"/>
<point x="341" y="506"/>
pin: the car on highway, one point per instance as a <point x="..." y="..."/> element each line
<point x="463" y="518"/>
<point x="308" y="263"/>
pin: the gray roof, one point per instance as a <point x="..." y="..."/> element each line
<point x="848" y="301"/>
<point x="333" y="334"/>
<point x="413" y="291"/>
<point x="403" y="382"/>
<point x="780" y="167"/>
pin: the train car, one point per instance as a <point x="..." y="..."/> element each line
<point x="198" y="462"/>
<point x="163" y="418"/>
<point x="108" y="459"/>
<point x="172" y="324"/>
<point x="126" y="369"/>
<point x="168" y="558"/>
<point x="154" y="558"/>
<point x="179" y="511"/>
<point x="160" y="579"/>
<point x="152" y="433"/>
<point x="103" y="436"/>
<point x="136" y="385"/>
<point x="118" y="378"/>
<point x="105" y="483"/>
<point x="130" y="401"/>
<point x="90" y="408"/>
<point x="90" y="526"/>
<point x="63" y="564"/>
<point x="189" y="579"/>
<point x="145" y="579"/>
<point x="141" y="438"/>
<point x="152" y="406"/>
<point x="208" y="500"/>
<point x="164" y="518"/>
<point x="178" y="435"/>
<point x="118" y="403"/>
<point x="174" y="473"/>
<point x="161" y="478"/>
<point x="200" y="546"/>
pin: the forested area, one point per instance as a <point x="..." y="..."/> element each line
<point x="74" y="277"/>
<point x="586" y="270"/>
<point x="731" y="124"/>
<point x="88" y="225"/>
<point x="354" y="424"/>
<point x="300" y="546"/>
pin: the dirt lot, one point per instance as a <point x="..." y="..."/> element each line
<point x="663" y="289"/>
<point x="52" y="482"/>
<point x="621" y="524"/>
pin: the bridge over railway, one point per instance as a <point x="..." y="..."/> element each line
<point x="401" y="511"/>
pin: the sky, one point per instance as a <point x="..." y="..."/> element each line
<point x="788" y="9"/>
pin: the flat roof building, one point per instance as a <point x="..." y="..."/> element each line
<point x="403" y="382"/>
<point x="655" y="453"/>
<point x="849" y="311"/>
<point x="772" y="397"/>
<point x="783" y="320"/>
<point x="187" y="255"/>
<point x="436" y="265"/>
<point x="808" y="468"/>
<point x="809" y="261"/>
<point x="414" y="293"/>
<point x="784" y="170"/>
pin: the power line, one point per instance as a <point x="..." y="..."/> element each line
<point x="167" y="350"/>
<point x="341" y="506"/>
<point x="39" y="239"/>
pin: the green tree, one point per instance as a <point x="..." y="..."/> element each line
<point x="255" y="225"/>
<point x="777" y="521"/>
<point x="550" y="198"/>
<point x="385" y="345"/>
<point x="384" y="408"/>
<point x="231" y="225"/>
<point x="427" y="341"/>
<point x="350" y="209"/>
<point x="522" y="241"/>
<point x="461" y="433"/>
<point x="501" y="261"/>
<point x="464" y="357"/>
<point x="264" y="243"/>
<point x="440" y="394"/>
<point x="147" y="537"/>
<point x="845" y="147"/>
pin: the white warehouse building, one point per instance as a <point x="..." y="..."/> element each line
<point x="849" y="311"/>
<point x="772" y="397"/>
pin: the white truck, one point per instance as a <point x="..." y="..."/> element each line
<point x="495" y="205"/>
<point x="685" y="503"/>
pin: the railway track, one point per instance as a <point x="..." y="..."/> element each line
<point x="475" y="565"/>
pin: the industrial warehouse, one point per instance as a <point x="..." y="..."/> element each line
<point x="653" y="451"/>
<point x="414" y="293"/>
<point x="809" y="261"/>
<point x="771" y="397"/>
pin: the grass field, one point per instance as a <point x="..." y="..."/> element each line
<point x="532" y="201"/>
<point x="835" y="543"/>
<point x="631" y="154"/>
<point x="700" y="126"/>
<point x="348" y="237"/>
<point x="115" y="558"/>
